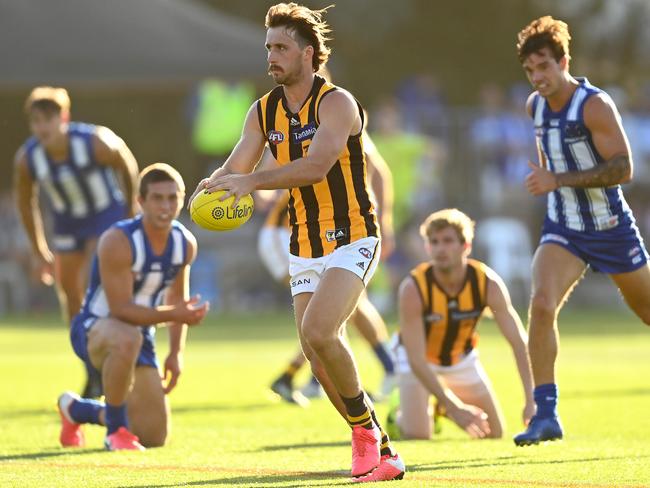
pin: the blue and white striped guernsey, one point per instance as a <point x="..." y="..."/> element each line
<point x="84" y="195"/>
<point x="568" y="146"/>
<point x="152" y="273"/>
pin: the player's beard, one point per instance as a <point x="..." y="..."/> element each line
<point x="288" y="77"/>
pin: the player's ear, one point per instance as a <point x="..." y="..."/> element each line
<point x="65" y="115"/>
<point x="467" y="248"/>
<point x="564" y="62"/>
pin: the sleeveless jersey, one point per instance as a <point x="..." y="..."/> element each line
<point x="84" y="195"/>
<point x="333" y="212"/>
<point x="567" y="145"/>
<point x="450" y="322"/>
<point x="152" y="273"/>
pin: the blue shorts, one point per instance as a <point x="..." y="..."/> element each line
<point x="612" y="251"/>
<point x="71" y="235"/>
<point x="83" y="322"/>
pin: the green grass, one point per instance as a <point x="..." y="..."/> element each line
<point x="229" y="432"/>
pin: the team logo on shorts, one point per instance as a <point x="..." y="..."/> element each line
<point x="336" y="235"/>
<point x="366" y="253"/>
<point x="361" y="265"/>
<point x="275" y="137"/>
<point x="633" y="251"/>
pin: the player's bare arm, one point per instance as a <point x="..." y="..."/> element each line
<point x="177" y="293"/>
<point x="381" y="182"/>
<point x="509" y="323"/>
<point x="111" y="150"/>
<point x="339" y="118"/>
<point x="26" y="194"/>
<point x="244" y="156"/>
<point x="468" y="418"/>
<point x="604" y="122"/>
<point x="114" y="254"/>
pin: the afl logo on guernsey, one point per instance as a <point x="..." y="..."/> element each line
<point x="275" y="137"/>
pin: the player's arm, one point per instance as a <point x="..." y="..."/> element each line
<point x="114" y="254"/>
<point x="26" y="192"/>
<point x="472" y="420"/>
<point x="177" y="293"/>
<point x="381" y="182"/>
<point x="245" y="155"/>
<point x="339" y="116"/>
<point x="111" y="150"/>
<point x="604" y="122"/>
<point x="529" y="110"/>
<point x="506" y="317"/>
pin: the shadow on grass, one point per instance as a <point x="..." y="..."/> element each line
<point x="50" y="454"/>
<point x="264" y="481"/>
<point x="509" y="461"/>
<point x="305" y="445"/>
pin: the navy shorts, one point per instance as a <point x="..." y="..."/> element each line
<point x="82" y="323"/>
<point x="612" y="251"/>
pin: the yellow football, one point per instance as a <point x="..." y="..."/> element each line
<point x="207" y="211"/>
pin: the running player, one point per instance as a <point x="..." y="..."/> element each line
<point x="584" y="157"/>
<point x="314" y="129"/>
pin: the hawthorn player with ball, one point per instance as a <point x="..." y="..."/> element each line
<point x="313" y="128"/>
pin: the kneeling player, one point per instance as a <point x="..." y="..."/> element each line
<point x="140" y="263"/>
<point x="440" y="304"/>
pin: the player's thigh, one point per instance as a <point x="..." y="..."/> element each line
<point x="554" y="272"/>
<point x="334" y="300"/>
<point x="107" y="334"/>
<point x="635" y="288"/>
<point x="415" y="417"/>
<point x="300" y="303"/>
<point x="148" y="408"/>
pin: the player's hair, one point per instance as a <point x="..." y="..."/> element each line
<point x="48" y="99"/>
<point x="449" y="217"/>
<point x="157" y="172"/>
<point x="307" y="26"/>
<point x="544" y="32"/>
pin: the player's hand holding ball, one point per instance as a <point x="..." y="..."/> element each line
<point x="210" y="212"/>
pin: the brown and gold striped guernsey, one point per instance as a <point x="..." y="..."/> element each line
<point x="450" y="322"/>
<point x="277" y="216"/>
<point x="333" y="212"/>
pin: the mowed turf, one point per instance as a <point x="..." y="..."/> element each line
<point x="228" y="430"/>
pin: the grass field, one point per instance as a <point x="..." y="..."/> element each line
<point x="229" y="432"/>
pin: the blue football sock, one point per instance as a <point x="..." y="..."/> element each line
<point x="86" y="411"/>
<point x="546" y="400"/>
<point x="381" y="351"/>
<point x="115" y="417"/>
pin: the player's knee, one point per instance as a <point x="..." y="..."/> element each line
<point x="415" y="432"/>
<point x="496" y="431"/>
<point x="318" y="336"/>
<point x="127" y="342"/>
<point x="542" y="306"/>
<point x="157" y="438"/>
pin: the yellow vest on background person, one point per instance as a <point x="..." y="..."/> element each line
<point x="220" y="114"/>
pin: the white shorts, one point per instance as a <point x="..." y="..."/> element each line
<point x="273" y="248"/>
<point x="467" y="372"/>
<point x="360" y="257"/>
